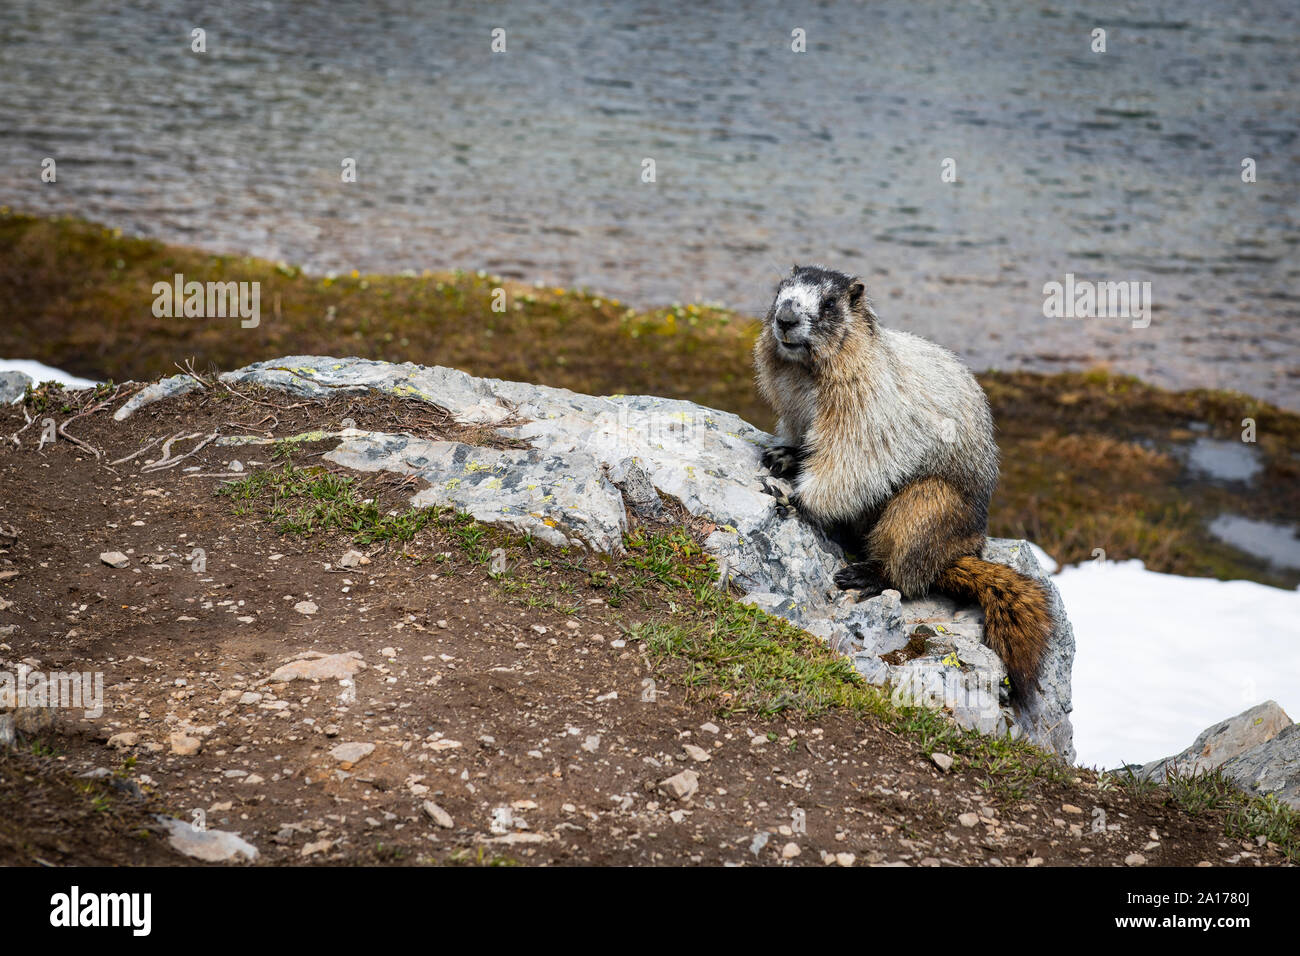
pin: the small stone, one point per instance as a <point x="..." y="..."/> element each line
<point x="123" y="740"/>
<point x="306" y="607"/>
<point x="790" y="851"/>
<point x="710" y="728"/>
<point x="682" y="785"/>
<point x="1071" y="808"/>
<point x="942" y="761"/>
<point x="968" y="819"/>
<point x="591" y="744"/>
<point x="698" y="754"/>
<point x="115" y="559"/>
<point x="1135" y="859"/>
<point x="352" y="752"/>
<point x="328" y="667"/>
<point x="438" y="815"/>
<point x="320" y="846"/>
<point x="211" y="846"/>
<point x="185" y="746"/>
<point x="845" y="859"/>
<point x="353" y="559"/>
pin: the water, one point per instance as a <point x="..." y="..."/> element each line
<point x="1277" y="544"/>
<point x="1123" y="166"/>
<point x="1224" y="460"/>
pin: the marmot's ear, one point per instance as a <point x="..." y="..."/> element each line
<point x="794" y="269"/>
<point x="856" y="291"/>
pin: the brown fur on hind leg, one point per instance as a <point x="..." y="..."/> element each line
<point x="925" y="527"/>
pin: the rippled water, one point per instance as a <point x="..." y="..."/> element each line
<point x="1116" y="166"/>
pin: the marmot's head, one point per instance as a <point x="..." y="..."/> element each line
<point x="815" y="312"/>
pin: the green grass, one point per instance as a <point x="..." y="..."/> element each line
<point x="1249" y="817"/>
<point x="1270" y="818"/>
<point x="308" y="501"/>
<point x="1195" y="794"/>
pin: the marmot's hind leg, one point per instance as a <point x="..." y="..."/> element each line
<point x="923" y="530"/>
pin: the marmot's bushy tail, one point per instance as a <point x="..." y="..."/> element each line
<point x="1017" y="619"/>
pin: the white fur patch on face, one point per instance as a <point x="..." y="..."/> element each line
<point x="804" y="299"/>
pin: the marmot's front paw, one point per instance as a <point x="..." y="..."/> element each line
<point x="787" y="506"/>
<point x="864" y="576"/>
<point x="783" y="461"/>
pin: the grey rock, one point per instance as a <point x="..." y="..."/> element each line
<point x="562" y="500"/>
<point x="13" y="385"/>
<point x="167" y="388"/>
<point x="352" y="559"/>
<point x="637" y="487"/>
<point x="1273" y="767"/>
<point x="875" y="625"/>
<point x="872" y="668"/>
<point x="1218" y="744"/>
<point x="115" y="559"/>
<point x="321" y="667"/>
<point x="586" y="452"/>
<point x="681" y="786"/>
<point x="352" y="752"/>
<point x="438" y="815"/>
<point x="211" y="846"/>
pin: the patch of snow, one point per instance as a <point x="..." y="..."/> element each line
<point x="1161" y="657"/>
<point x="44" y="373"/>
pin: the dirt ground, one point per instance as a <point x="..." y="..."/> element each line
<point x="496" y="727"/>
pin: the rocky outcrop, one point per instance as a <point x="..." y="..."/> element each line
<point x="1218" y="744"/>
<point x="1258" y="750"/>
<point x="1271" y="768"/>
<point x="589" y="458"/>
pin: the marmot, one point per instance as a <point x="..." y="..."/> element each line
<point x="888" y="437"/>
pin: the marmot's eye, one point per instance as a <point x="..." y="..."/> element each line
<point x="827" y="307"/>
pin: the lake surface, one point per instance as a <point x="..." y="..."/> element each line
<point x="1115" y="166"/>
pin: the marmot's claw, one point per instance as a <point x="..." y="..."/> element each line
<point x="786" y="507"/>
<point x="783" y="461"/>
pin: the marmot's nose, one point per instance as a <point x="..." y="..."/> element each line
<point x="786" y="319"/>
